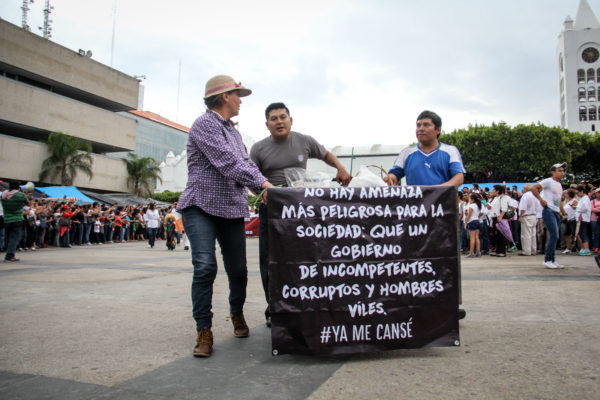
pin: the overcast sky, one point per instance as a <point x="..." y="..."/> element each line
<point x="351" y="72"/>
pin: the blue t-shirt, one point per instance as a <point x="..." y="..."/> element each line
<point x="433" y="168"/>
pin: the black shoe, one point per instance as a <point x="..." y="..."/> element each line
<point x="186" y="248"/>
<point x="597" y="258"/>
<point x="461" y="313"/>
<point x="268" y="321"/>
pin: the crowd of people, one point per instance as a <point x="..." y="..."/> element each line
<point x="503" y="219"/>
<point x="64" y="223"/>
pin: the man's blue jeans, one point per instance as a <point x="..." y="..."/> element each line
<point x="88" y="229"/>
<point x="13" y="231"/>
<point x="202" y="230"/>
<point x="552" y="222"/>
<point x="151" y="236"/>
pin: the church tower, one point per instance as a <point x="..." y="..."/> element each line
<point x="579" y="71"/>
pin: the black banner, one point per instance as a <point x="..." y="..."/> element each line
<point x="356" y="270"/>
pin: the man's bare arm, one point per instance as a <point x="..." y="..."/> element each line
<point x="343" y="177"/>
<point x="456" y="180"/>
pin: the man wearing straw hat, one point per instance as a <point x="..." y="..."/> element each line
<point x="550" y="198"/>
<point x="214" y="204"/>
<point x="284" y="149"/>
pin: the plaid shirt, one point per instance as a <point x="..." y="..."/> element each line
<point x="219" y="169"/>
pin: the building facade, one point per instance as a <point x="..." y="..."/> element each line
<point x="48" y="88"/>
<point x="579" y="71"/>
<point x="156" y="136"/>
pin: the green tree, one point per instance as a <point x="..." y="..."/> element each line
<point x="524" y="152"/>
<point x="68" y="155"/>
<point x="143" y="173"/>
<point x="167" y="196"/>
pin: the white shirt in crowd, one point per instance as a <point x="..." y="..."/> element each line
<point x="539" y="210"/>
<point x="462" y="209"/>
<point x="583" y="212"/>
<point x="484" y="214"/>
<point x="499" y="204"/>
<point x="552" y="193"/>
<point x="474" y="213"/>
<point x="529" y="204"/>
<point x="570" y="210"/>
<point x="152" y="217"/>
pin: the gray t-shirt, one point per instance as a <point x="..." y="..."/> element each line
<point x="273" y="157"/>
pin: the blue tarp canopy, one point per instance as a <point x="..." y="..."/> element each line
<point x="490" y="186"/>
<point x="60" y="192"/>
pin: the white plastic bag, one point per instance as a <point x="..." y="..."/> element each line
<point x="365" y="177"/>
<point x="299" y="177"/>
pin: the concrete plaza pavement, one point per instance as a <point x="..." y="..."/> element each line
<point x="114" y="322"/>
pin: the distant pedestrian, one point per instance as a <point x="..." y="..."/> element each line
<point x="528" y="219"/>
<point x="570" y="226"/>
<point x="549" y="194"/>
<point x="153" y="220"/>
<point x="582" y="216"/>
<point x="472" y="224"/>
<point x="13" y="202"/>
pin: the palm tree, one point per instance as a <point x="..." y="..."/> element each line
<point x="68" y="155"/>
<point x="143" y="173"/>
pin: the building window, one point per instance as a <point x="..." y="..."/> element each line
<point x="593" y="127"/>
<point x="583" y="113"/>
<point x="592" y="113"/>
<point x="560" y="61"/>
<point x="591" y="93"/>
<point x="581" y="92"/>
<point x="580" y="76"/>
<point x="591" y="76"/>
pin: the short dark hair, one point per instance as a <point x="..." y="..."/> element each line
<point x="582" y="188"/>
<point x="275" y="106"/>
<point x="499" y="189"/>
<point x="437" y="121"/>
<point x="14" y="185"/>
<point x="475" y="197"/>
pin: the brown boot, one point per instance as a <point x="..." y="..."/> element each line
<point x="240" y="329"/>
<point x="204" y="343"/>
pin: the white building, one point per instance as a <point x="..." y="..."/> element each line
<point x="579" y="71"/>
<point x="174" y="172"/>
<point x="44" y="88"/>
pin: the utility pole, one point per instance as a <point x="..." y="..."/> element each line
<point x="24" y="15"/>
<point x="47" y="29"/>
<point x="112" y="44"/>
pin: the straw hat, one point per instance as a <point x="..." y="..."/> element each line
<point x="223" y="83"/>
